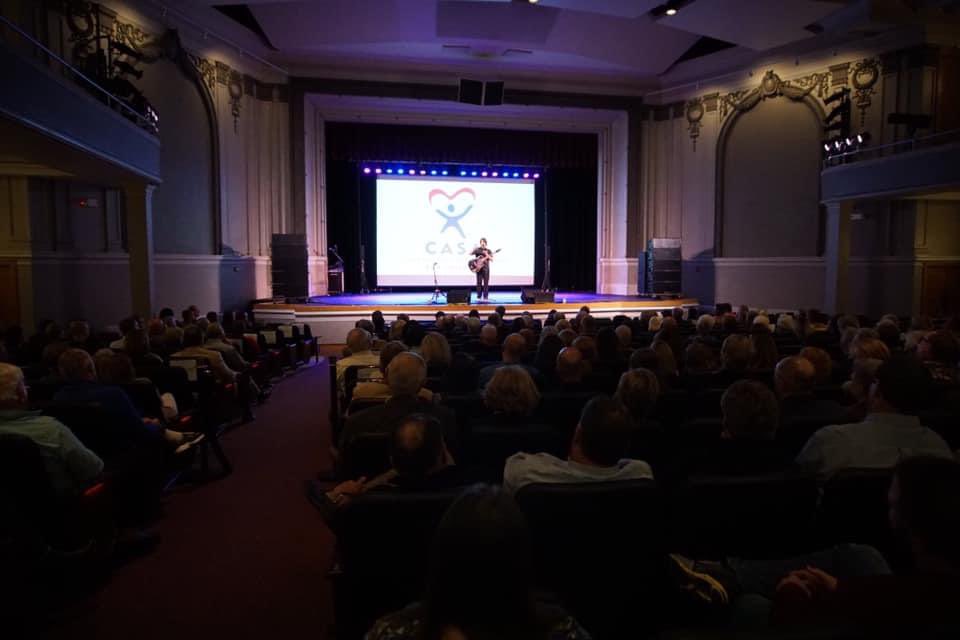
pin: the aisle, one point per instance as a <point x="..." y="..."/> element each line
<point x="241" y="557"/>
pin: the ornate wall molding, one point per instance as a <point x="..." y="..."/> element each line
<point x="694" y="114"/>
<point x="772" y="86"/>
<point x="864" y="78"/>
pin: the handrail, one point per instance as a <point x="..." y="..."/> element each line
<point x="912" y="143"/>
<point x="141" y="119"/>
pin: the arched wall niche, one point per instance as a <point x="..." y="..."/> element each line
<point x="768" y="173"/>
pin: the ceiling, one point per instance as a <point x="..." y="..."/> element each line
<point x="601" y="40"/>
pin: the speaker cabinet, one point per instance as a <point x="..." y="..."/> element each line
<point x="458" y="296"/>
<point x="288" y="265"/>
<point x="663" y="266"/>
<point x="536" y="296"/>
<point x="493" y="93"/>
<point x="471" y="91"/>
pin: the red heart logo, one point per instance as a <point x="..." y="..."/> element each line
<point x="440" y="192"/>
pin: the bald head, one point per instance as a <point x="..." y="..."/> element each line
<point x="588" y="347"/>
<point x="406" y="374"/>
<point x="418" y="447"/>
<point x="570" y="365"/>
<point x="821" y="362"/>
<point x="624" y="336"/>
<point x="514" y="348"/>
<point x="358" y="340"/>
<point x="793" y="376"/>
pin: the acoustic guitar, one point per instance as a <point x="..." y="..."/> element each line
<point x="477" y="263"/>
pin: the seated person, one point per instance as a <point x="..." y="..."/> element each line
<point x="736" y="355"/>
<point x="570" y="371"/>
<point x="852" y="585"/>
<point x="511" y="396"/>
<point x="794" y="380"/>
<point x="513" y="352"/>
<point x="822" y="365"/>
<point x="887" y="434"/>
<point x="381" y="390"/>
<point x="597" y="454"/>
<point x="70" y="466"/>
<point x="137" y="345"/>
<point x="405" y="375"/>
<point x="940" y="353"/>
<point x="359" y="343"/>
<point x="217" y="341"/>
<point x="480" y="582"/>
<point x="419" y="461"/>
<point x="638" y="390"/>
<point x="436" y="352"/>
<point x="193" y="338"/>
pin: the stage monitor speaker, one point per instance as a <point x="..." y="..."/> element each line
<point x="664" y="265"/>
<point x="536" y="296"/>
<point x="458" y="296"/>
<point x="471" y="91"/>
<point x="288" y="265"/>
<point x="492" y="93"/>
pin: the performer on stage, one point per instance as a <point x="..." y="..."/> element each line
<point x="483" y="274"/>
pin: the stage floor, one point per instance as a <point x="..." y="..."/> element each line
<point x="330" y="317"/>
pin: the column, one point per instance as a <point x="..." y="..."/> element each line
<point x="138" y="202"/>
<point x="836" y="257"/>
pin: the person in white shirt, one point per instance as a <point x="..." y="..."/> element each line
<point x="888" y="434"/>
<point x="359" y="343"/>
<point x="597" y="453"/>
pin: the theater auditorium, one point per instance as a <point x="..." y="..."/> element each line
<point x="479" y="319"/>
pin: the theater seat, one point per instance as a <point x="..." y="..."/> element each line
<point x="600" y="548"/>
<point x="748" y="516"/>
<point x="489" y="446"/>
<point x="854" y="509"/>
<point x="367" y="455"/>
<point x="381" y="555"/>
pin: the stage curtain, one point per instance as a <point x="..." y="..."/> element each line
<point x="571" y="212"/>
<point x="361" y="142"/>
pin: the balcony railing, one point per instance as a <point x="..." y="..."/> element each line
<point x="906" y="145"/>
<point x="136" y="110"/>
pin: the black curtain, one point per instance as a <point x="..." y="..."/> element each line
<point x="566" y="194"/>
<point x="571" y="217"/>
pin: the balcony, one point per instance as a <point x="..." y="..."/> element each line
<point x="47" y="95"/>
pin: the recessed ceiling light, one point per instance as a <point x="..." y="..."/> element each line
<point x="533" y="1"/>
<point x="671" y="11"/>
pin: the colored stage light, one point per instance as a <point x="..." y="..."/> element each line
<point x="516" y="175"/>
<point x="423" y="172"/>
<point x="378" y="171"/>
<point x="526" y="175"/>
<point x="389" y="170"/>
<point x="494" y="174"/>
<point x="444" y="172"/>
<point x="483" y="173"/>
<point x="473" y="173"/>
<point x="463" y="173"/>
<point x="536" y="175"/>
<point x="433" y="172"/>
<point x="366" y="170"/>
<point x="411" y="172"/>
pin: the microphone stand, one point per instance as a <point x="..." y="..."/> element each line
<point x="436" y="288"/>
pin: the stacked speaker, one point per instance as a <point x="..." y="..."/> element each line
<point x="288" y="265"/>
<point x="661" y="267"/>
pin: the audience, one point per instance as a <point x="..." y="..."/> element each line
<point x="794" y="380"/>
<point x="359" y="343"/>
<point x="376" y="389"/>
<point x="511" y="394"/>
<point x="638" y="390"/>
<point x="436" y="353"/>
<point x="513" y="352"/>
<point x="597" y="454"/>
<point x="217" y="341"/>
<point x="888" y="433"/>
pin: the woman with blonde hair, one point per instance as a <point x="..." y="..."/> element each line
<point x="436" y="352"/>
<point x="511" y="392"/>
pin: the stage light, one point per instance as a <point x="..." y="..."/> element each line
<point x="483" y="174"/>
<point x="516" y="175"/>
<point x="526" y="175"/>
<point x="536" y="175"/>
<point x="411" y="172"/>
<point x="366" y="170"/>
<point x="433" y="172"/>
<point x="826" y="147"/>
<point x="495" y="174"/>
<point x="473" y="173"/>
<point x="423" y="172"/>
<point x="389" y="170"/>
<point x="671" y="11"/>
<point x="463" y="173"/>
<point x="378" y="171"/>
<point x="444" y="172"/>
<point x="849" y="142"/>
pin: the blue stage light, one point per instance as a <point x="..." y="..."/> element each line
<point x="463" y="173"/>
<point x="389" y="170"/>
<point x="516" y="175"/>
<point x="444" y="172"/>
<point x="473" y="173"/>
<point x="433" y="172"/>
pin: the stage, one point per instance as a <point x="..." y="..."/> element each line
<point x="331" y="317"/>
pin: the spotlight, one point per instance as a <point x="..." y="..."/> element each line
<point x="366" y="170"/>
<point x="463" y="173"/>
<point x="516" y="175"/>
<point x="389" y="170"/>
<point x="671" y="11"/>
<point x="483" y="174"/>
<point x="444" y="172"/>
<point x="495" y="174"/>
<point x="473" y="173"/>
<point x="423" y="172"/>
<point x="837" y="145"/>
<point x="826" y="147"/>
<point x="411" y="172"/>
<point x="378" y="171"/>
<point x="536" y="175"/>
<point x="849" y="142"/>
<point x="433" y="172"/>
<point x="526" y="175"/>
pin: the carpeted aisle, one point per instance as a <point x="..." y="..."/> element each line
<point x="240" y="557"/>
